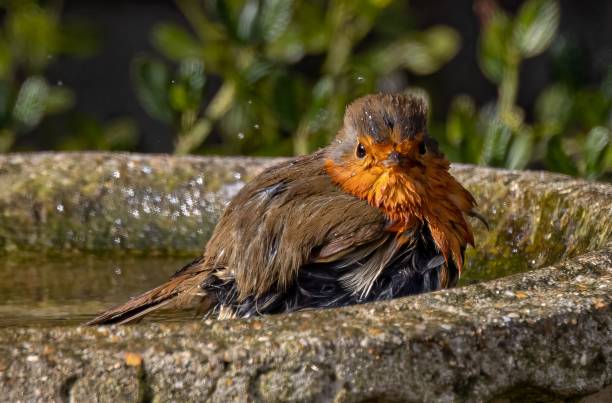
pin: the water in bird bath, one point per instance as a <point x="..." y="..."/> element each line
<point x="69" y="290"/>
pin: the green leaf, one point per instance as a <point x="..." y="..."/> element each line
<point x="461" y="120"/>
<point x="151" y="80"/>
<point x="186" y="91"/>
<point x="227" y="13"/>
<point x="33" y="36"/>
<point x="494" y="46"/>
<point x="420" y="53"/>
<point x="497" y="136"/>
<point x="598" y="140"/>
<point x="536" y="26"/>
<point x="256" y="71"/>
<point x="59" y="100"/>
<point x="177" y="95"/>
<point x="31" y="102"/>
<point x="7" y="137"/>
<point x="289" y="48"/>
<point x="557" y="159"/>
<point x="174" y="42"/>
<point x="191" y="73"/>
<point x="120" y="134"/>
<point x="553" y="107"/>
<point x="322" y="92"/>
<point x="246" y="22"/>
<point x="443" y="43"/>
<point x="591" y="108"/>
<point x="520" y="150"/>
<point x="274" y="18"/>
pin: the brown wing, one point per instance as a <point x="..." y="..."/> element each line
<point x="286" y="218"/>
<point x="180" y="291"/>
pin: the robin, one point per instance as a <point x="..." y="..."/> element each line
<point x="373" y="216"/>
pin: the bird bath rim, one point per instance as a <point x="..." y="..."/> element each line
<point x="474" y="342"/>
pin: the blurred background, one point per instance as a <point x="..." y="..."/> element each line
<point x="517" y="84"/>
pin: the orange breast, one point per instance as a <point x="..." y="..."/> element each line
<point x="413" y="196"/>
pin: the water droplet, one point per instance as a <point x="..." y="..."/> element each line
<point x="240" y="136"/>
<point x="256" y="126"/>
<point x="60" y="207"/>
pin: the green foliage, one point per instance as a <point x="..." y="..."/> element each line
<point x="287" y="69"/>
<point x="31" y="37"/>
<point x="571" y="130"/>
<point x="273" y="77"/>
<point x="86" y="133"/>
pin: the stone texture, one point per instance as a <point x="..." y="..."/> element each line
<point x="548" y="330"/>
<point x="101" y="202"/>
<point x="146" y="204"/>
<point x="544" y="334"/>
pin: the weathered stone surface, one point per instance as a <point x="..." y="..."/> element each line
<point x="100" y="202"/>
<point x="544" y="333"/>
<point x="548" y="330"/>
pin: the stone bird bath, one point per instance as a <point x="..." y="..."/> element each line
<point x="532" y="319"/>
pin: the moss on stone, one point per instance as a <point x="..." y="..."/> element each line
<point x="547" y="330"/>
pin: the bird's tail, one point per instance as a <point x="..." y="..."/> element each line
<point x="180" y="291"/>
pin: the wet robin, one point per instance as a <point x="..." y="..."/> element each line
<point x="373" y="216"/>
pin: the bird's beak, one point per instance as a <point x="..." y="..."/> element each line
<point x="392" y="160"/>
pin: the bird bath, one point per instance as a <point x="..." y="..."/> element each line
<point x="80" y="232"/>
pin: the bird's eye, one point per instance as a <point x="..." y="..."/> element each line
<point x="361" y="151"/>
<point x="422" y="148"/>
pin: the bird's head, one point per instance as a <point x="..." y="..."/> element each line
<point x="384" y="154"/>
